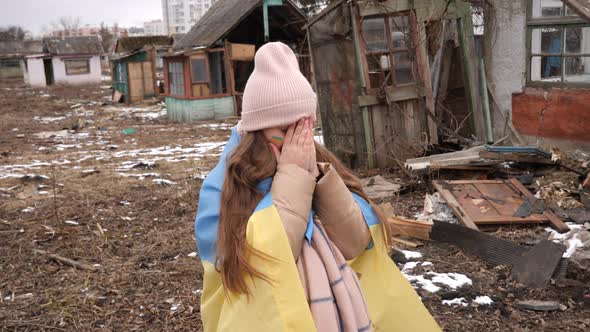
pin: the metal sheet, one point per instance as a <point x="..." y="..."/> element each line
<point x="191" y="110"/>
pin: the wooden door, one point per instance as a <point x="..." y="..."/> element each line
<point x="136" y="81"/>
<point x="148" y="79"/>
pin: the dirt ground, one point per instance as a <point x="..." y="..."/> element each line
<point x="116" y="188"/>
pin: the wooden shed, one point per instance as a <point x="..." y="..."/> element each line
<point x="206" y="75"/>
<point x="134" y="66"/>
<point x="394" y="77"/>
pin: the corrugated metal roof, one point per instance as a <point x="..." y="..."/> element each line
<point x="130" y="44"/>
<point x="74" y="45"/>
<point x="21" y="48"/>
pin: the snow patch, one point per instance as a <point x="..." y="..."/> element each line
<point x="458" y="301"/>
<point x="483" y="300"/>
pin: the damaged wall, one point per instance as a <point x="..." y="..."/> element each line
<point x="557" y="116"/>
<point x="546" y="116"/>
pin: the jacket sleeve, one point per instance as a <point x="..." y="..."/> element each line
<point x="340" y="215"/>
<point x="292" y="192"/>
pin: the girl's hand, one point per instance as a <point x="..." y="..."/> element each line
<point x="298" y="147"/>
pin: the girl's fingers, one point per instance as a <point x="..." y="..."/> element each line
<point x="289" y="135"/>
<point x="300" y="132"/>
<point x="276" y="151"/>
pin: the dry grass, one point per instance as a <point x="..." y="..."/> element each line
<point x="136" y="232"/>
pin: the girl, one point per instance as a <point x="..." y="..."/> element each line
<point x="287" y="237"/>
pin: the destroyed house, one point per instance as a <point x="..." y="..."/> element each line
<point x="69" y="60"/>
<point x="206" y="75"/>
<point x="135" y="68"/>
<point x="538" y="64"/>
<point x="394" y="77"/>
<point x="12" y="57"/>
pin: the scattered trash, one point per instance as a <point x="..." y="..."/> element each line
<point x="72" y="222"/>
<point x="377" y="187"/>
<point x="435" y="208"/>
<point x="577" y="237"/>
<point x="192" y="255"/>
<point x="536" y="305"/>
<point x="129" y="131"/>
<point x="163" y="182"/>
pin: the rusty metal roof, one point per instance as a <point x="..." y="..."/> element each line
<point x="74" y="45"/>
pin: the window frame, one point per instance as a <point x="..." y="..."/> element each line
<point x="207" y="74"/>
<point x="556" y="22"/>
<point x="170" y="92"/>
<point x="68" y="73"/>
<point x="391" y="51"/>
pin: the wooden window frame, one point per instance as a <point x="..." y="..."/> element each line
<point x="68" y="73"/>
<point x="557" y="22"/>
<point x="391" y="50"/>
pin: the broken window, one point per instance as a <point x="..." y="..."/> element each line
<point x="559" y="47"/>
<point x="77" y="66"/>
<point x="176" y="78"/>
<point x="387" y="41"/>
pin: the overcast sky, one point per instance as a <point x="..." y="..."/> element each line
<point x="34" y="14"/>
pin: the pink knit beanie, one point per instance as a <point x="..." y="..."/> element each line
<point x="277" y="94"/>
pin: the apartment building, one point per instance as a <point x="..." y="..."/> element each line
<point x="154" y="28"/>
<point x="181" y="15"/>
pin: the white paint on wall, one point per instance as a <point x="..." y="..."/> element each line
<point x="505" y="48"/>
<point x="35" y="72"/>
<point x="59" y="72"/>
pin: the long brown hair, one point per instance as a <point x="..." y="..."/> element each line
<point x="251" y="162"/>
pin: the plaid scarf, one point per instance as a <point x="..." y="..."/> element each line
<point x="332" y="288"/>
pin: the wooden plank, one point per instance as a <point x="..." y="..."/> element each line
<point x="453" y="182"/>
<point x="424" y="69"/>
<point x="470" y="199"/>
<point x="401" y="93"/>
<point x="536" y="267"/>
<point x="581" y="7"/>
<point x="503" y="202"/>
<point x="493" y="220"/>
<point x="408" y="243"/>
<point x="460" y="213"/>
<point x="471" y="72"/>
<point x="487" y="247"/>
<point x="368" y="100"/>
<point x="518" y="157"/>
<point x="413" y="228"/>
<point x="554" y="220"/>
<point x="242" y="52"/>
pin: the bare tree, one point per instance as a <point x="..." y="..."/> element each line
<point x="65" y="25"/>
<point x="12" y="33"/>
<point x="107" y="38"/>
